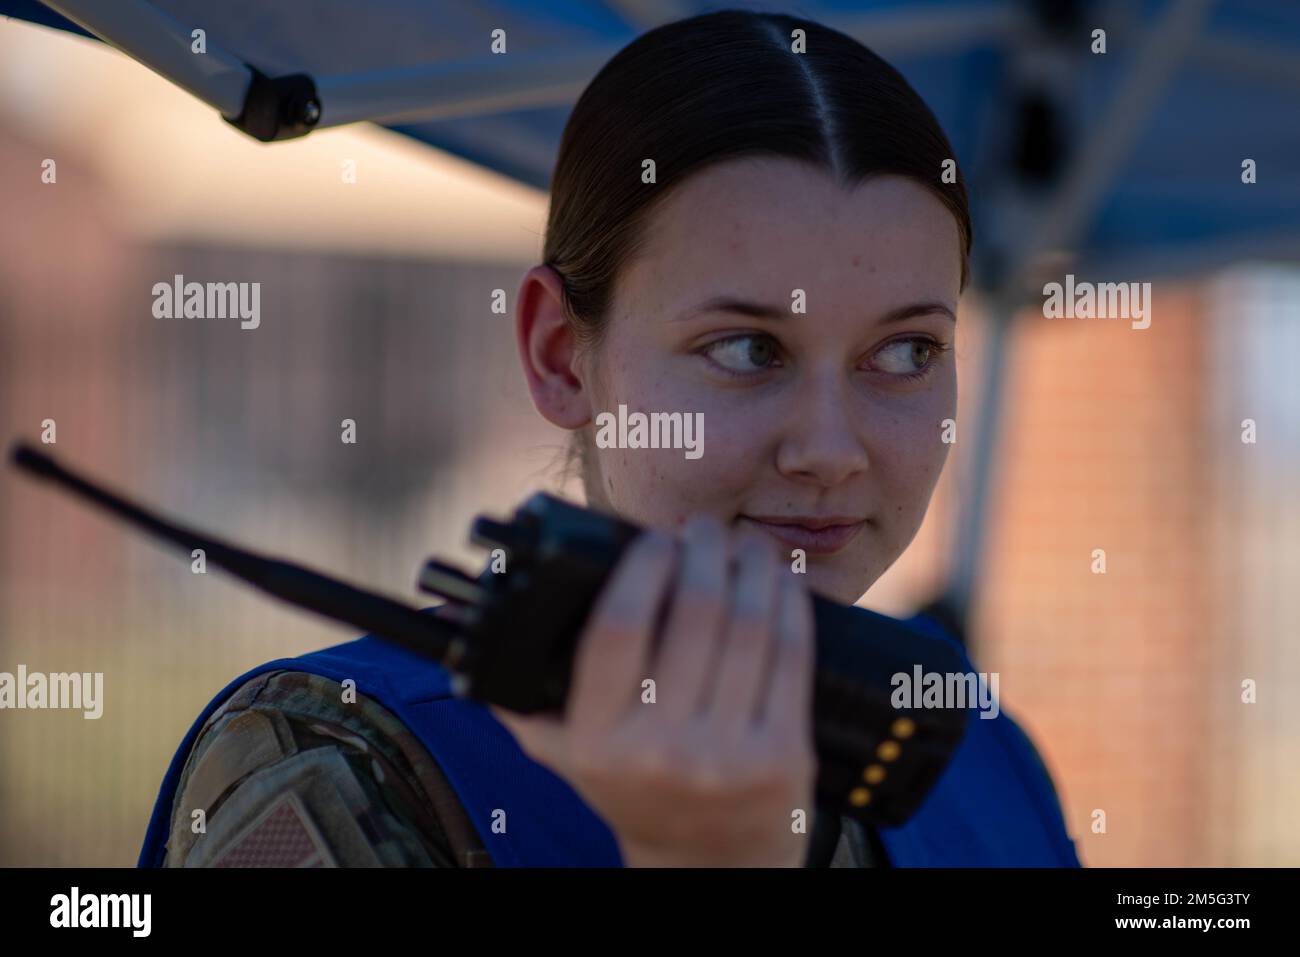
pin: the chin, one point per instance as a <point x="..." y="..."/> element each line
<point x="838" y="586"/>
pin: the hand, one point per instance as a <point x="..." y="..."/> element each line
<point x="711" y="773"/>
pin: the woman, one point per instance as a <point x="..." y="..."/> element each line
<point x="750" y="229"/>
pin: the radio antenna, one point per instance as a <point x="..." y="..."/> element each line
<point x="385" y="618"/>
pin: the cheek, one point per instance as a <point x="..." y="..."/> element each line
<point x="909" y="459"/>
<point x="662" y="486"/>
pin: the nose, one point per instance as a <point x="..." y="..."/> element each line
<point x="823" y="443"/>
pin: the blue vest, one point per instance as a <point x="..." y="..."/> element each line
<point x="993" y="806"/>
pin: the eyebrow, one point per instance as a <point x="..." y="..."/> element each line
<point x="758" y="310"/>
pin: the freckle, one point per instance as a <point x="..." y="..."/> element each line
<point x="856" y="261"/>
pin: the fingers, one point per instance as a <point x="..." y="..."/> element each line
<point x="788" y="703"/>
<point x="737" y="646"/>
<point x="747" y="648"/>
<point x="695" y="620"/>
<point x="613" y="657"/>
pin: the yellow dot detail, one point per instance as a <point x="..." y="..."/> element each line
<point x="874" y="774"/>
<point x="904" y="728"/>
<point x="859" y="797"/>
<point x="888" y="750"/>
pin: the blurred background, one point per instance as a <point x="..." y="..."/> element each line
<point x="376" y="306"/>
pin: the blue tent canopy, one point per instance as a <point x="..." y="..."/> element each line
<point x="1130" y="161"/>
<point x="1130" y="157"/>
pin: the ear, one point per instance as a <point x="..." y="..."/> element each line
<point x="549" y="350"/>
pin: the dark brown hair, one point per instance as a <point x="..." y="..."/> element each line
<point x="694" y="92"/>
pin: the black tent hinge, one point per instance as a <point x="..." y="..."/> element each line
<point x="278" y="108"/>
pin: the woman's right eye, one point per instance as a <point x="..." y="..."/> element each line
<point x="740" y="355"/>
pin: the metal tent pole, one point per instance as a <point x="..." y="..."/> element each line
<point x="979" y="480"/>
<point x="1059" y="225"/>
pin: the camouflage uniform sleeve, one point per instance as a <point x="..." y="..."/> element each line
<point x="286" y="774"/>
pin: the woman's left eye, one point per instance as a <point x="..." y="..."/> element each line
<point x="906" y="356"/>
<point x="742" y="354"/>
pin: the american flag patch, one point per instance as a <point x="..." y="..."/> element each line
<point x="282" y="836"/>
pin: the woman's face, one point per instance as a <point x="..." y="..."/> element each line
<point x="812" y="330"/>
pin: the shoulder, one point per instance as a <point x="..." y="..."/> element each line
<point x="292" y="769"/>
<point x="1037" y="779"/>
<point x="1012" y="740"/>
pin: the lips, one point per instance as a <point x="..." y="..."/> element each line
<point x="815" y="535"/>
